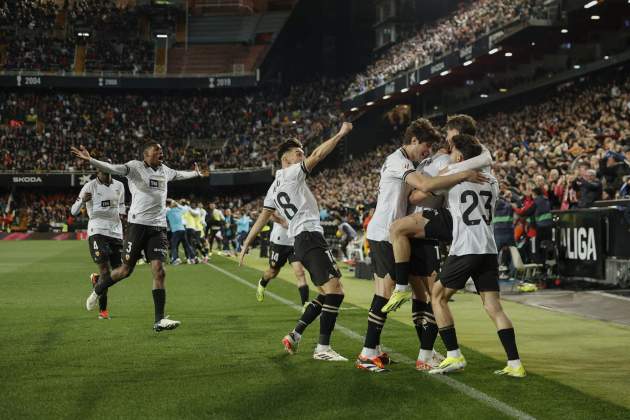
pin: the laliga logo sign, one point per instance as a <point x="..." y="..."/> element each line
<point x="579" y="243"/>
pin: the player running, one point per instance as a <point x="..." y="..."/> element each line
<point x="281" y="251"/>
<point x="472" y="254"/>
<point x="104" y="199"/>
<point x="398" y="177"/>
<point x="291" y="196"/>
<point x="148" y="182"/>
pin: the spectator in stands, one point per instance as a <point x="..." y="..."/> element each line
<point x="589" y="188"/>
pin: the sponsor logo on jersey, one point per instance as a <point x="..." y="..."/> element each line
<point x="154" y="183"/>
<point x="105" y="203"/>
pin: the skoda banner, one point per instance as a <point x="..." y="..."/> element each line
<point x="44" y="180"/>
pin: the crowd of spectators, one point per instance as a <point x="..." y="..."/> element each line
<point x="469" y="21"/>
<point x="33" y="42"/>
<point x="37" y="129"/>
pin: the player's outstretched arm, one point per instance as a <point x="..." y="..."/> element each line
<point x="262" y="220"/>
<point x="427" y="184"/>
<point x="190" y="174"/>
<point x="82" y="153"/>
<point x="326" y="147"/>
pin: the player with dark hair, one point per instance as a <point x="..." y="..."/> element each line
<point x="473" y="254"/>
<point x="148" y="181"/>
<point x="398" y="177"/>
<point x="104" y="200"/>
<point x="290" y="195"/>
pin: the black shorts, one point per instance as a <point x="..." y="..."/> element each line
<point x="311" y="249"/>
<point x="280" y="254"/>
<point x="150" y="239"/>
<point x="425" y="258"/>
<point x="483" y="268"/>
<point x="382" y="255"/>
<point x="439" y="225"/>
<point x="105" y="249"/>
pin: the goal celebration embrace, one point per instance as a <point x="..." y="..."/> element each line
<point x="314" y="209"/>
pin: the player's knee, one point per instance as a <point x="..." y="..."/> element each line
<point x="492" y="308"/>
<point x="125" y="270"/>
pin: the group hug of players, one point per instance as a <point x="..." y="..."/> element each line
<point x="431" y="190"/>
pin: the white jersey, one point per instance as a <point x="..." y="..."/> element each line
<point x="280" y="235"/>
<point x="472" y="207"/>
<point x="290" y="195"/>
<point x="104" y="209"/>
<point x="393" y="195"/>
<point x="432" y="167"/>
<point x="148" y="189"/>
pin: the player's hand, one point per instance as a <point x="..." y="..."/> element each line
<point x="476" y="177"/>
<point x="203" y="172"/>
<point x="81" y="152"/>
<point x="241" y="256"/>
<point x="87" y="197"/>
<point x="346" y="127"/>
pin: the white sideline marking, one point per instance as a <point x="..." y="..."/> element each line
<point x="453" y="383"/>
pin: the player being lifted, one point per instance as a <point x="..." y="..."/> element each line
<point x="473" y="254"/>
<point x="290" y="195"/>
<point x="417" y="257"/>
<point x="398" y="177"/>
<point x="104" y="199"/>
<point x="148" y="180"/>
<point x="280" y="252"/>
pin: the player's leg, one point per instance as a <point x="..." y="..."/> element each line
<point x="132" y="248"/>
<point x="487" y="284"/>
<point x="424" y="321"/>
<point x="320" y="264"/>
<point x="453" y="277"/>
<point x="300" y="277"/>
<point x="277" y="259"/>
<point x="156" y="250"/>
<point x="400" y="233"/>
<point x="382" y="257"/>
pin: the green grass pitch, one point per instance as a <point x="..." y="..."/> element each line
<point x="226" y="359"/>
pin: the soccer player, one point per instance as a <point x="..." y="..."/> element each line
<point x="104" y="199"/>
<point x="473" y="254"/>
<point x="398" y="177"/>
<point x="281" y="251"/>
<point x="290" y="195"/>
<point x="434" y="221"/>
<point x="148" y="181"/>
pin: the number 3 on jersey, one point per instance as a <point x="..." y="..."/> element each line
<point x="487" y="217"/>
<point x="285" y="203"/>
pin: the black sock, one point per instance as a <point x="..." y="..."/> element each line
<point x="449" y="337"/>
<point x="417" y="315"/>
<point x="330" y="310"/>
<point x="508" y="339"/>
<point x="159" y="300"/>
<point x="402" y="273"/>
<point x="102" y="301"/>
<point x="104" y="282"/>
<point x="310" y="314"/>
<point x="429" y="328"/>
<point x="376" y="322"/>
<point x="264" y="282"/>
<point x="303" y="294"/>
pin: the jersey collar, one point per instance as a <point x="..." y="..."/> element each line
<point x="402" y="150"/>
